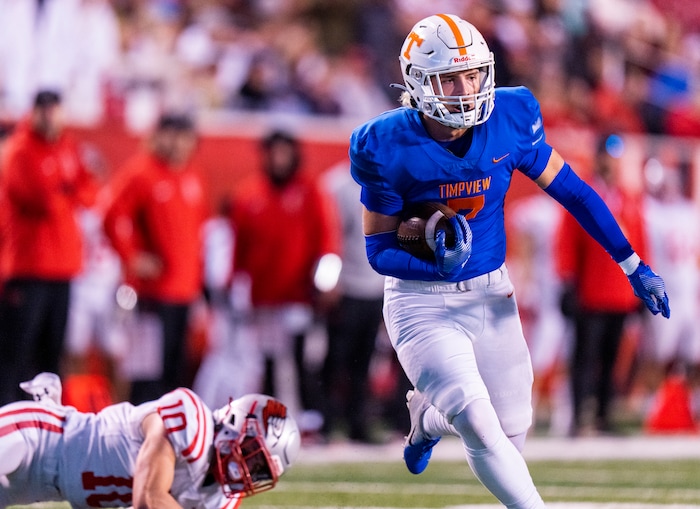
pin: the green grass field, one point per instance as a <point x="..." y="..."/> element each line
<point x="632" y="483"/>
<point x="447" y="484"/>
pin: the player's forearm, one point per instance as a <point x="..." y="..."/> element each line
<point x="387" y="258"/>
<point x="156" y="501"/>
<point x="152" y="482"/>
<point x="154" y="471"/>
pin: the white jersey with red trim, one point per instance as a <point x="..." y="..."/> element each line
<point x="88" y="459"/>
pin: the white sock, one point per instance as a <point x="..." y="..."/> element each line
<point x="435" y="424"/>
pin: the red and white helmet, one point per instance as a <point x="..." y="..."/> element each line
<point x="444" y="44"/>
<point x="255" y="442"/>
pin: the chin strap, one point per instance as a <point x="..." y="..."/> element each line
<point x="399" y="86"/>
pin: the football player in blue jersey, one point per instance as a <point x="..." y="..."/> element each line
<point x="454" y="321"/>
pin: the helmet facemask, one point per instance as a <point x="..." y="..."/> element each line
<point x="472" y="109"/>
<point x="440" y="45"/>
<point x="243" y="465"/>
<point x="255" y="442"/>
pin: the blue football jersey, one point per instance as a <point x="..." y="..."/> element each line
<point x="397" y="163"/>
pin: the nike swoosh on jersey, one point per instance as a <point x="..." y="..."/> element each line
<point x="537" y="125"/>
<point x="499" y="159"/>
<point x="537" y="140"/>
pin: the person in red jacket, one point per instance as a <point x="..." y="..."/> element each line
<point x="44" y="183"/>
<point x="287" y="235"/>
<point x="598" y="297"/>
<point x="154" y="222"/>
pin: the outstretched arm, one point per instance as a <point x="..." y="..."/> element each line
<point x="155" y="468"/>
<point x="560" y="182"/>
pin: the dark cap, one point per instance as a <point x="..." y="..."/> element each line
<point x="46" y="98"/>
<point x="279" y="136"/>
<point x="175" y="121"/>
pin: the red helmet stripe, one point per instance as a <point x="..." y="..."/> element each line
<point x="455" y="31"/>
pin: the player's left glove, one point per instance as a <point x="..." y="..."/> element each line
<point x="451" y="260"/>
<point x="649" y="287"/>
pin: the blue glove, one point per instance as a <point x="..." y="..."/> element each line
<point x="649" y="287"/>
<point x="451" y="260"/>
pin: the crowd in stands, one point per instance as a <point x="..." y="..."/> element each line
<point x="624" y="65"/>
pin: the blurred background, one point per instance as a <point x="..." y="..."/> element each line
<point x="316" y="69"/>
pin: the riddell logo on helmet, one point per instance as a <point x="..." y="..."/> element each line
<point x="457" y="60"/>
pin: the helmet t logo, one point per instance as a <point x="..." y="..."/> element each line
<point x="413" y="38"/>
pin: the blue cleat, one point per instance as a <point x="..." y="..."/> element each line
<point x="417" y="447"/>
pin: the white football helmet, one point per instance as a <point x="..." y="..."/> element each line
<point x="443" y="44"/>
<point x="255" y="442"/>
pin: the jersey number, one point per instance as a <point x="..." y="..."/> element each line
<point x="174" y="416"/>
<point x="91" y="482"/>
<point x="469" y="206"/>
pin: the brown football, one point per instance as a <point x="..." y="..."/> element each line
<point x="419" y="225"/>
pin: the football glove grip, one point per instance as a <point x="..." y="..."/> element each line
<point x="451" y="260"/>
<point x="649" y="287"/>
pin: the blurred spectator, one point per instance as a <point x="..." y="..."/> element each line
<point x="597" y="295"/>
<point x="154" y="221"/>
<point x="151" y="77"/>
<point x="683" y="118"/>
<point x="377" y="32"/>
<point x="671" y="75"/>
<point x="44" y="183"/>
<point x="287" y="244"/>
<point x="5" y="130"/>
<point x="294" y="56"/>
<point x="483" y="14"/>
<point x="566" y="102"/>
<point x="636" y="92"/>
<point x="534" y="224"/>
<point x="95" y="339"/>
<point x="672" y="347"/>
<point x="353" y="87"/>
<point x="269" y="86"/>
<point x="353" y="323"/>
<point x="621" y="110"/>
<point x="70" y="46"/>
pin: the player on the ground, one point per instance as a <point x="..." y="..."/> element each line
<point x="169" y="453"/>
<point x="454" y="322"/>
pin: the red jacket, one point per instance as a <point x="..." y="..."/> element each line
<point x="161" y="211"/>
<point x="43" y="184"/>
<point x="601" y="284"/>
<point x="280" y="235"/>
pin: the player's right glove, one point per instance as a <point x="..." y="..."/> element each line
<point x="649" y="287"/>
<point x="451" y="260"/>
